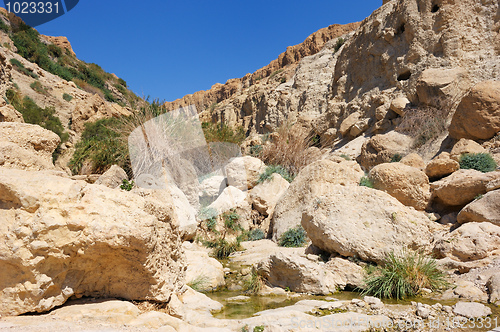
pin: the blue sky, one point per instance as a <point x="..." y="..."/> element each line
<point x="167" y="49"/>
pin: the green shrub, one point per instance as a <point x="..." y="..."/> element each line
<point x="67" y="97"/>
<point x="339" y="44"/>
<point x="32" y="113"/>
<point x="270" y="170"/>
<point x="482" y="162"/>
<point x="120" y="88"/>
<point x="122" y="82"/>
<point x="259" y="328"/>
<point x="231" y="219"/>
<point x="4" y="26"/>
<point x="101" y="146"/>
<point x="396" y="158"/>
<point x="20" y="67"/>
<point x="126" y="185"/>
<point x="274" y="73"/>
<point x="366" y="182"/>
<point x="404" y="275"/>
<point x="346" y="157"/>
<point x="52" y="59"/>
<point x="54" y="51"/>
<point x="222" y="133"/>
<point x="256" y="234"/>
<point x="223" y="248"/>
<point x="38" y="87"/>
<point x="255" y="150"/>
<point x="294" y="237"/>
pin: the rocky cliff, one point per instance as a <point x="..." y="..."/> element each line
<point x="422" y="53"/>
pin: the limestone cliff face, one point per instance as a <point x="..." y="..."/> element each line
<point x="427" y="51"/>
<point x="60" y="41"/>
<point x="416" y="49"/>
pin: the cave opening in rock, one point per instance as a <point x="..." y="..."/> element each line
<point x="435" y="8"/>
<point x="401" y="29"/>
<point x="404" y="76"/>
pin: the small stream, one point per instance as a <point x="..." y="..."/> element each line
<point x="245" y="309"/>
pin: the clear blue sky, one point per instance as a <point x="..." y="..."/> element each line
<point x="167" y="49"/>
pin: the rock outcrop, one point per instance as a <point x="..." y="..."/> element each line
<point x="470" y="242"/>
<point x="312" y="182"/>
<point x="61" y="42"/>
<point x="266" y="195"/>
<point x="220" y="92"/>
<point x="299" y="274"/>
<point x="478" y="115"/>
<point x="365" y="223"/>
<point x="463" y="186"/>
<point x="63" y="238"/>
<point x="441" y="166"/>
<point x="407" y="184"/>
<point x="484" y="209"/>
<point x="382" y="148"/>
<point x="26" y="146"/>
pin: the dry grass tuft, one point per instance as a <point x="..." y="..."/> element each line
<point x="423" y="124"/>
<point x="289" y="148"/>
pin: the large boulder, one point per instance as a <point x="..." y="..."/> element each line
<point x="264" y="196"/>
<point x="478" y="115"/>
<point x="464" y="146"/>
<point x="298" y="273"/>
<point x="407" y="184"/>
<point x="471" y="310"/>
<point x="9" y="114"/>
<point x="185" y="213"/>
<point x="63" y="238"/>
<point x="113" y="177"/>
<point x="312" y="181"/>
<point x="381" y="148"/>
<point x="463" y="186"/>
<point x="438" y="87"/>
<point x="441" y="166"/>
<point x="351" y="274"/>
<point x="26" y="146"/>
<point x="469" y="242"/>
<point x="365" y="223"/>
<point x="211" y="188"/>
<point x="493" y="286"/>
<point x="230" y="198"/>
<point x="413" y="160"/>
<point x="485" y="209"/>
<point x="244" y="172"/>
<point x="203" y="272"/>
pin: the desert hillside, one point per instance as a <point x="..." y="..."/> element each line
<point x="353" y="184"/>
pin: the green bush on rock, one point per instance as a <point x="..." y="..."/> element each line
<point x="294" y="237"/>
<point x="270" y="170"/>
<point x="482" y="162"/>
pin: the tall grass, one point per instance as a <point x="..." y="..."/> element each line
<point x="288" y="149"/>
<point x="423" y="124"/>
<point x="404" y="275"/>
